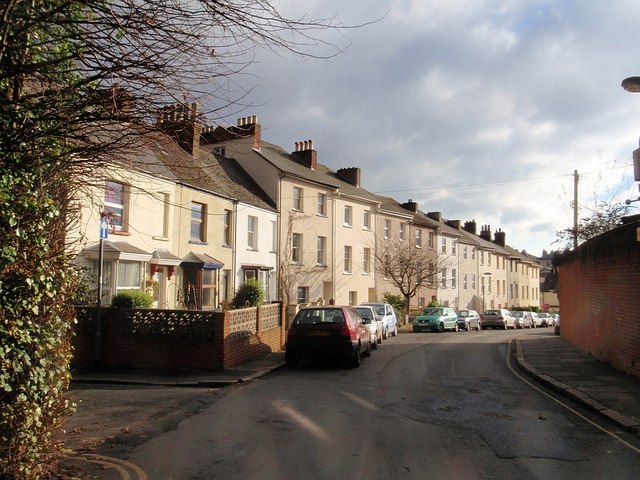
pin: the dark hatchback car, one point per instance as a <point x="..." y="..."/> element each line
<point x="327" y="332"/>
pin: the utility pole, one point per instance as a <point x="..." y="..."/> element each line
<point x="576" y="178"/>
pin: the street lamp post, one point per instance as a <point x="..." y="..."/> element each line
<point x="632" y="84"/>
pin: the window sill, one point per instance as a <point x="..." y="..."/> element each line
<point x="198" y="242"/>
<point x="121" y="233"/>
<point x="161" y="238"/>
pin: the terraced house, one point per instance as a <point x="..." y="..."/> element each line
<point x="195" y="211"/>
<point x="184" y="224"/>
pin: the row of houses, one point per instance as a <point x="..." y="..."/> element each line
<point x="194" y="211"/>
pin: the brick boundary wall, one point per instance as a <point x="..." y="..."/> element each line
<point x="173" y="340"/>
<point x="599" y="292"/>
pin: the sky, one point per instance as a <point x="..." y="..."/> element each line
<point x="479" y="109"/>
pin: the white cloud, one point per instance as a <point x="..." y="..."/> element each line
<point x="480" y="109"/>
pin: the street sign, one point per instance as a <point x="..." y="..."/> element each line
<point x="104" y="229"/>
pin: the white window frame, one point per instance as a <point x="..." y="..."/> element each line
<point x="296" y="248"/>
<point x="321" y="257"/>
<point x="348" y="216"/>
<point x="348" y="259"/>
<point x="298" y="196"/>
<point x="252" y="232"/>
<point x="322" y="204"/>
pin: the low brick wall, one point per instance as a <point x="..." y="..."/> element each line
<point x="599" y="292"/>
<point x="175" y="340"/>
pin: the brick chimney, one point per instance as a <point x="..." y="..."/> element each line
<point x="485" y="233"/>
<point x="470" y="227"/>
<point x="411" y="206"/>
<point x="181" y="122"/>
<point x="305" y="154"/>
<point x="350" y="175"/>
<point x="246" y="127"/>
<point x="500" y="238"/>
<point x="437" y="216"/>
<point x="454" y="224"/>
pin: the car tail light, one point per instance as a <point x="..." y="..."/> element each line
<point x="291" y="332"/>
<point x="481" y="317"/>
<point x="500" y="317"/>
<point x="347" y="331"/>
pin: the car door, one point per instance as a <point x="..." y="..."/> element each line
<point x="392" y="317"/>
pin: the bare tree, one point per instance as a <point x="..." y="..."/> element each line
<point x="80" y="83"/>
<point x="409" y="268"/>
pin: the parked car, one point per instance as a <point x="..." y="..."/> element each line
<point x="436" y="319"/>
<point x="545" y="319"/>
<point x="537" y="322"/>
<point x="468" y="319"/>
<point x="373" y="323"/>
<point x="388" y="316"/>
<point x="556" y="328"/>
<point x="555" y="318"/>
<point x="498" y="318"/>
<point x="524" y="319"/>
<point x="327" y="332"/>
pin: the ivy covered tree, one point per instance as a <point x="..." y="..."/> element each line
<point x="80" y="85"/>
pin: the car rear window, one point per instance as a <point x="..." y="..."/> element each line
<point x="493" y="312"/>
<point x="462" y="313"/>
<point x="325" y="315"/>
<point x="365" y="313"/>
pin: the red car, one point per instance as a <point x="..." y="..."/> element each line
<point x="327" y="332"/>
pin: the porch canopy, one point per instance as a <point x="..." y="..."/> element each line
<point x="117" y="251"/>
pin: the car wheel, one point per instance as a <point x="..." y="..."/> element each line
<point x="456" y="328"/>
<point x="369" y="350"/>
<point x="395" y="331"/>
<point x="441" y="328"/>
<point x="355" y="358"/>
<point x="468" y="327"/>
<point x="384" y="334"/>
<point x="374" y="345"/>
<point x="479" y="326"/>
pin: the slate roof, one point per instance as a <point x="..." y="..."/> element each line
<point x="157" y="154"/>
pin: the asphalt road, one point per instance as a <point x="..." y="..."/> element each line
<point x="423" y="406"/>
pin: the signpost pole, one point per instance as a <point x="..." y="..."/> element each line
<point x="104" y="234"/>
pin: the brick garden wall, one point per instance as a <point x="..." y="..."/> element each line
<point x="599" y="291"/>
<point x="176" y="340"/>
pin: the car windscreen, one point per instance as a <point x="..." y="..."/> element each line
<point x="433" y="311"/>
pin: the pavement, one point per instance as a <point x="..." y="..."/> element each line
<point x="547" y="358"/>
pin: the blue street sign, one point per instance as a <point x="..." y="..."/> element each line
<point x="104" y="229"/>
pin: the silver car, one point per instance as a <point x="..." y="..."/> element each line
<point x="468" y="320"/>
<point x="388" y="316"/>
<point x="524" y="319"/>
<point x="497" y="318"/>
<point x="373" y="323"/>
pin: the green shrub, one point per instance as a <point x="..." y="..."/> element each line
<point x="132" y="299"/>
<point x="250" y="294"/>
<point x="398" y="303"/>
